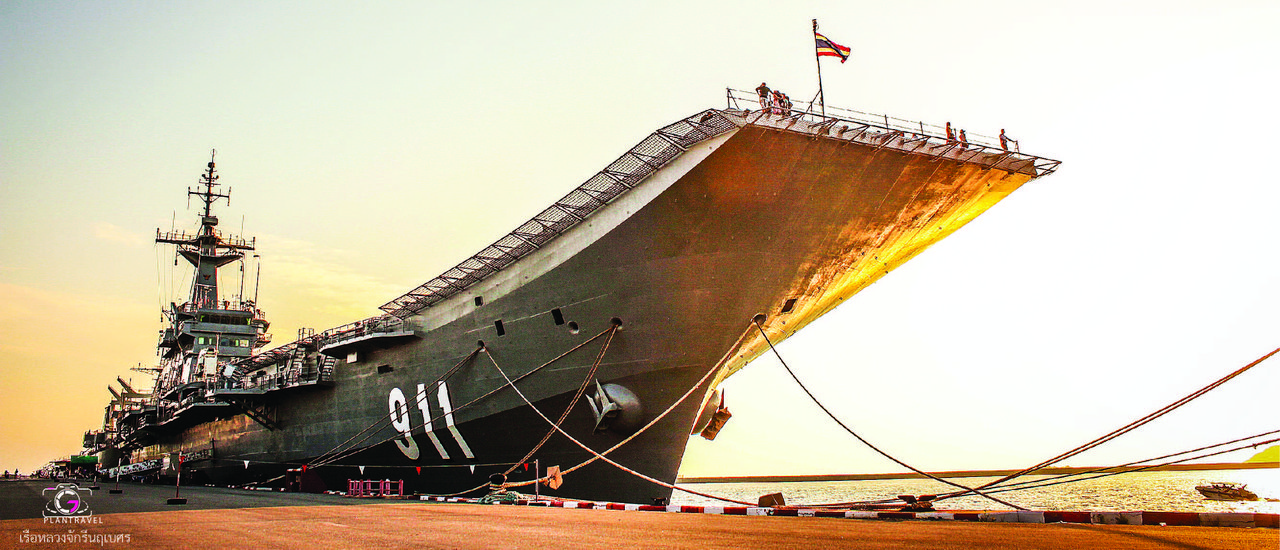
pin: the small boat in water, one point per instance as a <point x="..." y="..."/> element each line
<point x="1226" y="491"/>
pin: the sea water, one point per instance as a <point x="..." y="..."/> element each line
<point x="1138" y="491"/>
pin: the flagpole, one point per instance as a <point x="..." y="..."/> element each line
<point x="818" y="60"/>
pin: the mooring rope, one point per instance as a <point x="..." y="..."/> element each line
<point x="1036" y="484"/>
<point x="1065" y="477"/>
<point x="429" y="422"/>
<point x="1130" y="426"/>
<point x="715" y="368"/>
<point x="321" y="460"/>
<point x="609" y="331"/>
<point x="863" y="440"/>
<point x="650" y="424"/>
<point x="582" y="388"/>
<point x="597" y="454"/>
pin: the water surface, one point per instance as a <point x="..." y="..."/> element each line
<point x="1140" y="491"/>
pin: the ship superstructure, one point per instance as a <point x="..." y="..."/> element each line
<point x="208" y="331"/>
<point x="638" y="292"/>
<point x="204" y="335"/>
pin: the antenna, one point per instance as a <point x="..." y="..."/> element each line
<point x="241" y="296"/>
<point x="257" y="279"/>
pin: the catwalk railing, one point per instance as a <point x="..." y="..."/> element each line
<point x="898" y="133"/>
<point x="662" y="146"/>
<point x="626" y="172"/>
<point x="646" y="158"/>
<point x="382" y="324"/>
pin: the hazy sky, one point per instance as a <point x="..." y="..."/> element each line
<point x="371" y="146"/>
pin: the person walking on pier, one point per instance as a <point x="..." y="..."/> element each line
<point x="763" y="91"/>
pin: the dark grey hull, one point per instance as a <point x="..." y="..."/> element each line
<point x="753" y="222"/>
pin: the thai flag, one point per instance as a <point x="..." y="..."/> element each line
<point x="827" y="47"/>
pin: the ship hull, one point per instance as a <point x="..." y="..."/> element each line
<point x="758" y="224"/>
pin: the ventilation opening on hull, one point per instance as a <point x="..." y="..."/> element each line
<point x="573" y="327"/>
<point x="788" y="305"/>
<point x="383" y="369"/>
<point x="479" y="300"/>
<point x="498" y="325"/>
<point x="557" y="316"/>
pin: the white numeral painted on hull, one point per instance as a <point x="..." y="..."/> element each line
<point x="400" y="419"/>
<point x="402" y="423"/>
<point x="448" y="420"/>
<point x="426" y="421"/>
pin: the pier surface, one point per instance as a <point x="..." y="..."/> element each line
<point x="224" y="518"/>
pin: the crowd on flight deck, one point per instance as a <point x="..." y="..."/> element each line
<point x="776" y="102"/>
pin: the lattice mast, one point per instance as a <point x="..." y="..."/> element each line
<point x="207" y="250"/>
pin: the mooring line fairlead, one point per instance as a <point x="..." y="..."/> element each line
<point x="586" y="382"/>
<point x="613" y="328"/>
<point x="480" y="347"/>
<point x="598" y="455"/>
<point x="757" y="322"/>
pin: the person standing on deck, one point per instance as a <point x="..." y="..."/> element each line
<point x="763" y="92"/>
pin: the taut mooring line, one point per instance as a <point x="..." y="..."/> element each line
<point x="1132" y="425"/>
<point x="864" y="441"/>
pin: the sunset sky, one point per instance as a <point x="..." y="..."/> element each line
<point x="371" y="146"/>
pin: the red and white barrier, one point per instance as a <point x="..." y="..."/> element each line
<point x="1204" y="519"/>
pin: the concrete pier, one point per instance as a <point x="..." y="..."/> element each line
<point x="237" y="518"/>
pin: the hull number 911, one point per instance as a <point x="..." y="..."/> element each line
<point x="402" y="420"/>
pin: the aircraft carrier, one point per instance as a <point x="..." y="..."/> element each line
<point x="602" y="326"/>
